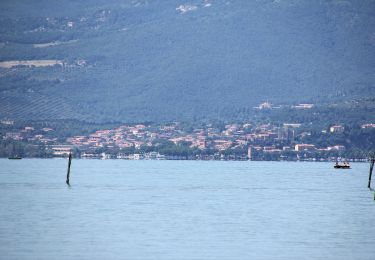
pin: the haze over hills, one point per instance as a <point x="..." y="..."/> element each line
<point x="180" y="60"/>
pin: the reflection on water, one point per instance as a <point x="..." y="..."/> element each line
<point x="184" y="210"/>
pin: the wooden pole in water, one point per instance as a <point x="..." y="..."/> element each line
<point x="69" y="163"/>
<point x="372" y="161"/>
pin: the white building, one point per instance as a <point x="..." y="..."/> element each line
<point x="304" y="147"/>
<point x="336" y="129"/>
<point x="61" y="150"/>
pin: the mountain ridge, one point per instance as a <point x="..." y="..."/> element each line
<point x="172" y="60"/>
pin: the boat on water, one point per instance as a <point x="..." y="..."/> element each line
<point x="344" y="165"/>
<point x="15" y="158"/>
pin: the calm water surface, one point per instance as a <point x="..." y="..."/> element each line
<point x="118" y="209"/>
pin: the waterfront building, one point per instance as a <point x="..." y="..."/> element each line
<point x="304" y="147"/>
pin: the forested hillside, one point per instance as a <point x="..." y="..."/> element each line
<point x="160" y="60"/>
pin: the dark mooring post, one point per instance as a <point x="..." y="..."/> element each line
<point x="69" y="163"/>
<point x="372" y="161"/>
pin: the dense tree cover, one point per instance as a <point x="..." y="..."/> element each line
<point x="62" y="129"/>
<point x="9" y="148"/>
<point x="350" y="113"/>
<point x="352" y="138"/>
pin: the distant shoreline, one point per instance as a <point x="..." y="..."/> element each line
<point x="116" y="159"/>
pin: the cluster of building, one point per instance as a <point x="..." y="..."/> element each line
<point x="252" y="140"/>
<point x="267" y="105"/>
<point x="30" y="134"/>
<point x="234" y="141"/>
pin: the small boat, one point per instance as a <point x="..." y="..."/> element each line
<point x="15" y="158"/>
<point x="344" y="165"/>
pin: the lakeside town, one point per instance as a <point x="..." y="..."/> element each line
<point x="245" y="141"/>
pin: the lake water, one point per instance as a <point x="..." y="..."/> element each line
<point x="119" y="209"/>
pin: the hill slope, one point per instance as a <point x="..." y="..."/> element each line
<point x="167" y="60"/>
